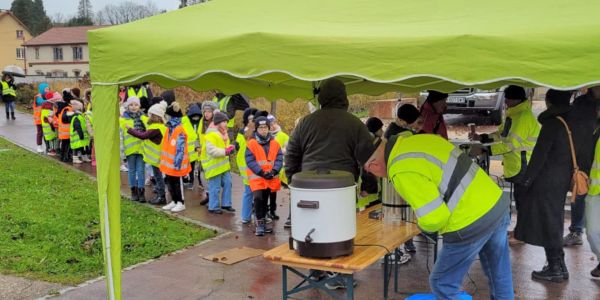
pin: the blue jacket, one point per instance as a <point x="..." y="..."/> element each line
<point x="251" y="159"/>
<point x="181" y="144"/>
<point x="40" y="100"/>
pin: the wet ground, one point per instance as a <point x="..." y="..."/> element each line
<point x="185" y="275"/>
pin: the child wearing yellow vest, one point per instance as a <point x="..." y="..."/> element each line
<point x="132" y="148"/>
<point x="215" y="162"/>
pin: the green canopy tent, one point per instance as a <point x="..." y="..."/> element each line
<point x="283" y="49"/>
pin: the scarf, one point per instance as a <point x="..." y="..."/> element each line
<point x="137" y="120"/>
<point x="224" y="136"/>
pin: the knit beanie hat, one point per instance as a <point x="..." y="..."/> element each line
<point x="219" y="117"/>
<point x="77" y="105"/>
<point x="174" y="110"/>
<point x="374" y="124"/>
<point x="514" y="92"/>
<point x="158" y="109"/>
<point x="408" y="113"/>
<point x="558" y="98"/>
<point x="435" y="96"/>
<point x="261" y="113"/>
<point x="250" y="111"/>
<point x="261" y="121"/>
<point x="132" y="99"/>
<point x="168" y="96"/>
<point x="66" y="95"/>
<point x="76" y="92"/>
<point x="209" y="105"/>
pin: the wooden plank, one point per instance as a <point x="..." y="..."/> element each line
<point x="371" y="238"/>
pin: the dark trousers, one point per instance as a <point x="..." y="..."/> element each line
<point x="261" y="198"/>
<point x="65" y="149"/>
<point x="174" y="185"/>
<point x="577" y="214"/>
<point x="190" y="177"/>
<point x="272" y="201"/>
<point x="554" y="253"/>
<point x="39" y="134"/>
<point x="81" y="151"/>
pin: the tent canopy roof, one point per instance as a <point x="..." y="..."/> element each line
<point x="281" y="49"/>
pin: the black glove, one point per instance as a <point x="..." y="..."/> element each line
<point x="269" y="175"/>
<point x="261" y="174"/>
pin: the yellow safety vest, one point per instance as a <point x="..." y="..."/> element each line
<point x="8" y="90"/>
<point x="223" y="108"/>
<point x="214" y="166"/>
<point x="442" y="184"/>
<point x="517" y="144"/>
<point x="140" y="93"/>
<point x="595" y="173"/>
<point x="131" y="144"/>
<point x="192" y="138"/>
<point x="90" y="117"/>
<point x="151" y="150"/>
<point x="240" y="157"/>
<point x="282" y="138"/>
<point x="74" y="139"/>
<point x="49" y="134"/>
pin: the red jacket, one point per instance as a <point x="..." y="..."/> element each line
<point x="433" y="122"/>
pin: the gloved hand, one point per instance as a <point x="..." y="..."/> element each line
<point x="229" y="149"/>
<point x="269" y="175"/>
<point x="261" y="174"/>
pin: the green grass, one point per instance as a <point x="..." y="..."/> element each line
<point x="49" y="222"/>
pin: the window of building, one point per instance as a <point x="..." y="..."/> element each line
<point x="37" y="53"/>
<point x="20" y="53"/>
<point x="58" y="53"/>
<point x="59" y="74"/>
<point x="77" y="53"/>
<point x="20" y="34"/>
<point x="77" y="73"/>
<point x="39" y="72"/>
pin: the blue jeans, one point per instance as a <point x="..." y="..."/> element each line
<point x="247" y="200"/>
<point x="136" y="174"/>
<point x="160" y="181"/>
<point x="455" y="259"/>
<point x="9" y="107"/>
<point x="215" y="184"/>
<point x="577" y="214"/>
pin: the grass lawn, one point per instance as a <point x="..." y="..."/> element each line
<point x="49" y="222"/>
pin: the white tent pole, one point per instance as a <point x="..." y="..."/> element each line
<point x="109" y="274"/>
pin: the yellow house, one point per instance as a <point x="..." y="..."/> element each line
<point x="13" y="33"/>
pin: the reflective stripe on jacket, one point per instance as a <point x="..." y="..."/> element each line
<point x="240" y="157"/>
<point x="131" y="144"/>
<point x="595" y="173"/>
<point x="140" y="93"/>
<point x="37" y="111"/>
<point x="169" y="153"/>
<point x="8" y="90"/>
<point x="214" y="166"/>
<point x="449" y="193"/>
<point x="75" y="141"/>
<point x="49" y="133"/>
<point x="266" y="162"/>
<point x="192" y="138"/>
<point x="152" y="151"/>
<point x="223" y="103"/>
<point x="64" y="129"/>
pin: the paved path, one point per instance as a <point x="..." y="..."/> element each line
<point x="185" y="275"/>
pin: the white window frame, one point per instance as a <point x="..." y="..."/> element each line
<point x="57" y="53"/>
<point x="20" y="53"/>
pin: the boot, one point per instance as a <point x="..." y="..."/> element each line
<point x="7" y="116"/>
<point x="563" y="267"/>
<point x="205" y="201"/>
<point x="260" y="227"/>
<point x="134" y="194"/>
<point x="159" y="200"/>
<point x="13" y="115"/>
<point x="142" y="195"/>
<point x="552" y="271"/>
<point x="268" y="227"/>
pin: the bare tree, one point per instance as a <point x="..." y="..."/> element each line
<point x="125" y="12"/>
<point x="184" y="3"/>
<point x="85" y="9"/>
<point x="59" y="19"/>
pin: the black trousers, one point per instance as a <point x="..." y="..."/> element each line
<point x="174" y="186"/>
<point x="554" y="253"/>
<point x="65" y="150"/>
<point x="190" y="177"/>
<point x="272" y="202"/>
<point x="261" y="198"/>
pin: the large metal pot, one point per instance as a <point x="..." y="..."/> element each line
<point x="323" y="213"/>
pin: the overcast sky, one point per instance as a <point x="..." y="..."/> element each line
<point x="69" y="7"/>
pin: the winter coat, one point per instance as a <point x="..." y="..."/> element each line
<point x="542" y="192"/>
<point x="331" y="138"/>
<point x="251" y="159"/>
<point x="584" y="124"/>
<point x="39" y="99"/>
<point x="433" y="122"/>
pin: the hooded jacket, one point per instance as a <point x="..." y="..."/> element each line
<point x="194" y="110"/>
<point x="331" y="137"/>
<point x="39" y="99"/>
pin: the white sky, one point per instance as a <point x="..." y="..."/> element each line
<point x="69" y="7"/>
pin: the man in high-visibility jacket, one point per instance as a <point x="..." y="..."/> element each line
<point x="265" y="160"/>
<point x="452" y="196"/>
<point x="38" y="100"/>
<point x="215" y="162"/>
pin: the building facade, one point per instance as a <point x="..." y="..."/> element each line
<point x="13" y="33"/>
<point x="59" y="52"/>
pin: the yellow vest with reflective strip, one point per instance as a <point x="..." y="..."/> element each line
<point x="8" y="90"/>
<point x="522" y="136"/>
<point x="192" y="138"/>
<point x="282" y="138"/>
<point x="151" y="150"/>
<point x="90" y="117"/>
<point x="223" y="108"/>
<point x="49" y="134"/>
<point x="240" y="157"/>
<point x="131" y="144"/>
<point x="214" y="166"/>
<point x="433" y="159"/>
<point x="140" y="93"/>
<point x="75" y="141"/>
<point x="595" y="173"/>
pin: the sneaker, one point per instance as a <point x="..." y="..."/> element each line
<point x="596" y="272"/>
<point x="228" y="208"/>
<point x="52" y="153"/>
<point x="124" y="168"/>
<point x="189" y="186"/>
<point x="169" y="206"/>
<point x="246" y="222"/>
<point x="216" y="211"/>
<point x="404" y="258"/>
<point x="178" y="207"/>
<point x="409" y="246"/>
<point x="267" y="219"/>
<point x="148" y="181"/>
<point x="85" y="158"/>
<point x="573" y="239"/>
<point x="273" y="215"/>
<point x="40" y="149"/>
<point x="260" y="228"/>
<point x="76" y="160"/>
<point x="340" y="283"/>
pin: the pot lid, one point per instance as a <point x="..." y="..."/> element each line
<point x="322" y="179"/>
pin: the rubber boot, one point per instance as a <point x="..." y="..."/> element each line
<point x="552" y="272"/>
<point x="260" y="227"/>
<point x="134" y="194"/>
<point x="13" y="115"/>
<point x="142" y="195"/>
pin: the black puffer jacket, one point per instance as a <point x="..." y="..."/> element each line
<point x="584" y="124"/>
<point x="329" y="138"/>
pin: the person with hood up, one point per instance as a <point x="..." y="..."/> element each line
<point x="8" y="93"/>
<point x="241" y="141"/>
<point x="133" y="117"/>
<point x="330" y="138"/>
<point x="174" y="158"/>
<point x="265" y="160"/>
<point x="152" y="146"/>
<point x="215" y="162"/>
<point x="433" y="111"/>
<point x="48" y="123"/>
<point x="79" y="136"/>
<point x="544" y="187"/>
<point x="208" y="109"/>
<point x="38" y="100"/>
<point x="191" y="123"/>
<point x="282" y="139"/>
